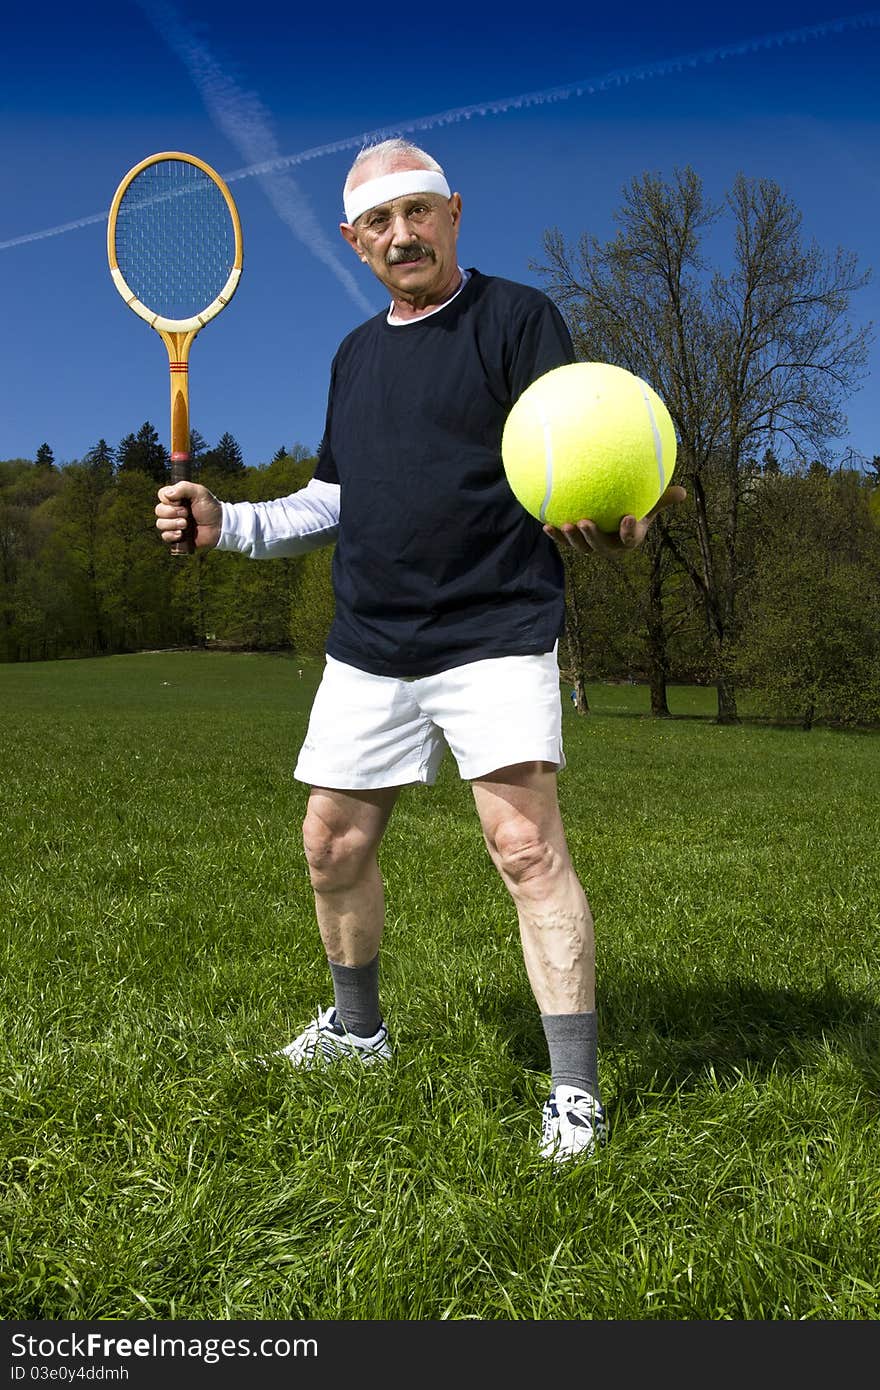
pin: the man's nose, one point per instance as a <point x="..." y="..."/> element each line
<point x="401" y="231"/>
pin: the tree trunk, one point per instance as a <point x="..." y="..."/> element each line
<point x="658" y="656"/>
<point x="573" y="646"/>
<point x="580" y="701"/>
<point x="727" y="711"/>
<point x="657" y="684"/>
<point x="716" y="604"/>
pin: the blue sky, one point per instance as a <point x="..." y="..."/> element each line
<point x="88" y="91"/>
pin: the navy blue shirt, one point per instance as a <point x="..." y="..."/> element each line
<point x="436" y="562"/>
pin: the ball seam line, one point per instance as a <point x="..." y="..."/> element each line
<point x="658" y="442"/>
<point x="548" y="462"/>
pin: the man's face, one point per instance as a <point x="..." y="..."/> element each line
<point x="409" y="243"/>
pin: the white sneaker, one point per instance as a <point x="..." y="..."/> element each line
<point x="325" y="1040"/>
<point x="572" y="1124"/>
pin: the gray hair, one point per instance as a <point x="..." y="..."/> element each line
<point x="387" y="152"/>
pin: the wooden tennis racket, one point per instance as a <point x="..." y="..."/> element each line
<point x="175" y="252"/>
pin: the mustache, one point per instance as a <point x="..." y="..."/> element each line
<point x="413" y="252"/>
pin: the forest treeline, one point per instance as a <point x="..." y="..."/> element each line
<point x="766" y="579"/>
<point x="83" y="573"/>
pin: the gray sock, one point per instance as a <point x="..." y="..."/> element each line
<point x="356" y="990"/>
<point x="573" y="1047"/>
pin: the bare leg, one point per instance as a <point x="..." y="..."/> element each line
<point x="341" y="836"/>
<point x="522" y="826"/>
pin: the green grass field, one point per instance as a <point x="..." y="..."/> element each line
<point x="159" y="937"/>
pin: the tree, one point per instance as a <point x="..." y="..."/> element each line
<point x="771" y="464"/>
<point x="313" y="604"/>
<point x="225" y="459"/>
<point x="628" y="619"/>
<point x="143" y="453"/>
<point x="45" y="458"/>
<point x="282" y="476"/>
<point x="100" y="462"/>
<point x="873" y="472"/>
<point x="133" y="568"/>
<point x="71" y="555"/>
<point x="810" y="641"/>
<point x="15" y="540"/>
<point x="198" y="445"/>
<point x="761" y="356"/>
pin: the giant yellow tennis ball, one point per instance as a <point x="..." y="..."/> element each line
<point x="588" y="441"/>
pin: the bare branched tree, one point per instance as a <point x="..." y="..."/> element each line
<point x="750" y="360"/>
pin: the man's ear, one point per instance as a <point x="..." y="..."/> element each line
<point x="350" y="234"/>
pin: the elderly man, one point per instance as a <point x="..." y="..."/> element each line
<point x="449" y="605"/>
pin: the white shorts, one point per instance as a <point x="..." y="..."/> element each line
<point x="367" y="732"/>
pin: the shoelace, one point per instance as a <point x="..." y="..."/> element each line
<point x="309" y="1040"/>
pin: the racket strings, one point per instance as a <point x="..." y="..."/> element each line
<point x="175" y="239"/>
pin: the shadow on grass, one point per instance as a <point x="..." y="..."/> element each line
<point x="669" y="1035"/>
<point x="645" y="717"/>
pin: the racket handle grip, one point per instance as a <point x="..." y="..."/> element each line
<point x="179" y="473"/>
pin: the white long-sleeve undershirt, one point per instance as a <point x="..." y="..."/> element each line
<point x="292" y="525"/>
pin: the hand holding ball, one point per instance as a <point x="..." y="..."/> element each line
<point x="588" y="441"/>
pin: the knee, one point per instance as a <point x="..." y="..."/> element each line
<point x="335" y="853"/>
<point x="524" y="856"/>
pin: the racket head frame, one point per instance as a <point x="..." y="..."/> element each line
<point x="163" y="325"/>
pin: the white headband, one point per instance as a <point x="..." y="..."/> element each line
<point x="382" y="190"/>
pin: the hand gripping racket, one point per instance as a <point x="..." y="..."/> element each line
<point x="175" y="253"/>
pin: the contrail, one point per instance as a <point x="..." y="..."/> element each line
<point x="590" y="86"/>
<point x="247" y="125"/>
